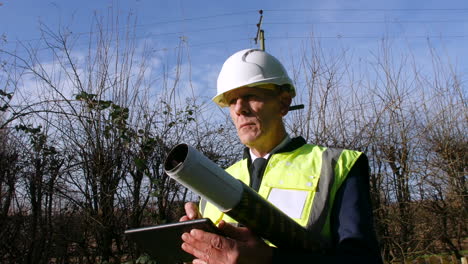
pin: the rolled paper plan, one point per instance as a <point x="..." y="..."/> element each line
<point x="195" y="171"/>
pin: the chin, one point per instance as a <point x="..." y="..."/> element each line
<point x="248" y="137"/>
<point x="248" y="140"/>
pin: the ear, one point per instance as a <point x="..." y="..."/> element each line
<point x="285" y="102"/>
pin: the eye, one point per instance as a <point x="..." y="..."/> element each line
<point x="232" y="101"/>
<point x="251" y="97"/>
<point x="245" y="97"/>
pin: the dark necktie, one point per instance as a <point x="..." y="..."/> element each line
<point x="256" y="172"/>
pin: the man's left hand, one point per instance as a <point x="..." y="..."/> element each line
<point x="239" y="245"/>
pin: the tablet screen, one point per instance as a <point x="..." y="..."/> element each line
<point x="163" y="242"/>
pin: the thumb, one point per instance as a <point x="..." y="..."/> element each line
<point x="237" y="233"/>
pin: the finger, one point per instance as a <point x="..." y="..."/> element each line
<point x="187" y="244"/>
<point x="191" y="210"/>
<point x="198" y="261"/>
<point x="238" y="233"/>
<point x="212" y="240"/>
<point x="194" y="252"/>
<point x="208" y="238"/>
<point x="203" y="250"/>
<point x="200" y="250"/>
<point x="186" y="237"/>
<point x="191" y="245"/>
<point x="184" y="218"/>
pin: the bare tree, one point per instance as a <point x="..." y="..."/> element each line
<point x="10" y="166"/>
<point x="110" y="123"/>
<point x="413" y="129"/>
<point x="444" y="133"/>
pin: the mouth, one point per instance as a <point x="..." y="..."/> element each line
<point x="246" y="125"/>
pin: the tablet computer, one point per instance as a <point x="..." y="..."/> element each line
<point x="163" y="242"/>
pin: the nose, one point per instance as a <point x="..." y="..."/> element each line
<point x="241" y="106"/>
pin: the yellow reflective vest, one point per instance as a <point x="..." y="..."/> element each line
<point x="302" y="183"/>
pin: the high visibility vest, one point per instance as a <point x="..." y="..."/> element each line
<point x="302" y="183"/>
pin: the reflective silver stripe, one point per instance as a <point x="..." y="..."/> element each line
<point x="321" y="202"/>
<point x="202" y="206"/>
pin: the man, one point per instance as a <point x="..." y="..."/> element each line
<point x="324" y="189"/>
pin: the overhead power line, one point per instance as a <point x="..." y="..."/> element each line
<point x="372" y="37"/>
<point x="369" y="9"/>
<point x="393" y="21"/>
<point x="143" y="35"/>
<point x="274" y="23"/>
<point x="204" y="44"/>
<point x="196" y="18"/>
<point x="173" y="21"/>
<point x="224" y="27"/>
<point x="337" y="37"/>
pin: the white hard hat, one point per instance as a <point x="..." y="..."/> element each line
<point x="251" y="67"/>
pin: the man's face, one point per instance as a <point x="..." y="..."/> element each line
<point x="257" y="114"/>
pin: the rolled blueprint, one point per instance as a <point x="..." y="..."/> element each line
<point x="196" y="172"/>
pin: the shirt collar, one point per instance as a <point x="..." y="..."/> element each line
<point x="285" y="141"/>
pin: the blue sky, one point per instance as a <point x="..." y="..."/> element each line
<point x="213" y="30"/>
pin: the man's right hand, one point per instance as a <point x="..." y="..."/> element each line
<point x="191" y="212"/>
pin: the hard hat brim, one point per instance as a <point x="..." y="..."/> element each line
<point x="220" y="100"/>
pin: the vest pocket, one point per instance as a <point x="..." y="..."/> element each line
<point x="290" y="201"/>
<point x="295" y="201"/>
